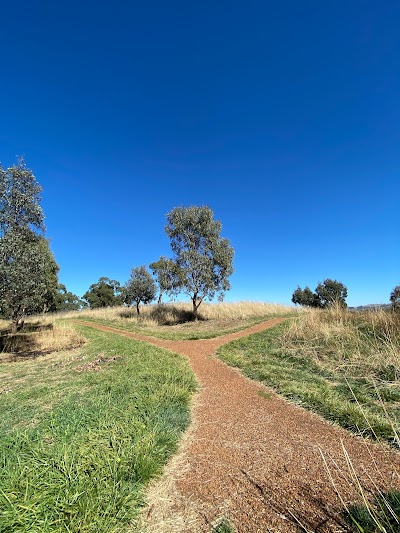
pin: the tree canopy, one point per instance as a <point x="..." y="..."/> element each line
<point x="202" y="258"/>
<point x="167" y="275"/>
<point x="326" y="294"/>
<point x="66" y="300"/>
<point x="105" y="293"/>
<point x="140" y="288"/>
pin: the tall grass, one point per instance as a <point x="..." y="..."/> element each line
<point x="354" y="343"/>
<point x="174" y="313"/>
<point x="39" y="336"/>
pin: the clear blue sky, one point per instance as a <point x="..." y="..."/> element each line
<point x="283" y="117"/>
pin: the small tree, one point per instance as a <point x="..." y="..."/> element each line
<point x="395" y="298"/>
<point x="140" y="288"/>
<point x="202" y="257"/>
<point x="168" y="276"/>
<point x="331" y="292"/>
<point x="305" y="297"/>
<point x="105" y="293"/>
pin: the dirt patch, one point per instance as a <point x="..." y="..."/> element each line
<point x="96" y="364"/>
<point x="258" y="460"/>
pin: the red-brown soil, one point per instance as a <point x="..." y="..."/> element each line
<point x="258" y="460"/>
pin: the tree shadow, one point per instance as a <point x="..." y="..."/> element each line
<point x="23" y="345"/>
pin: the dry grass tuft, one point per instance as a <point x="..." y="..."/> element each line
<point x="367" y="342"/>
<point x="39" y="336"/>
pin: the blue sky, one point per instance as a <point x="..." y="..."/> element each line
<point x="283" y="117"/>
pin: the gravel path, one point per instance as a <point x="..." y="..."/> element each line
<point x="257" y="459"/>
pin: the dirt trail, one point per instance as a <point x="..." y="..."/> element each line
<point x="257" y="460"/>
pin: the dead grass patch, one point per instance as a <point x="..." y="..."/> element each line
<point x="37" y="338"/>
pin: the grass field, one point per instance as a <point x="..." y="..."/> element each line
<point x="83" y="431"/>
<point x="173" y="321"/>
<point x="344" y="365"/>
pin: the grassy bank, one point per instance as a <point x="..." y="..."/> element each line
<point x="83" y="431"/>
<point x="344" y="365"/>
<point x="174" y="321"/>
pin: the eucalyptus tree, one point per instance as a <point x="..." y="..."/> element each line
<point x="105" y="293"/>
<point x="28" y="271"/>
<point x="202" y="258"/>
<point x="167" y="275"/>
<point x="140" y="288"/>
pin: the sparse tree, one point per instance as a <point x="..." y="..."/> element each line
<point x="28" y="271"/>
<point x="167" y="275"/>
<point x="140" y="288"/>
<point x="202" y="257"/>
<point x="395" y="298"/>
<point x="105" y="293"/>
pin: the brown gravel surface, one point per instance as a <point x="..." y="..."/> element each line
<point x="261" y="462"/>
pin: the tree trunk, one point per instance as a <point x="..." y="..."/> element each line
<point x="137" y="308"/>
<point x="195" y="308"/>
<point x="159" y="298"/>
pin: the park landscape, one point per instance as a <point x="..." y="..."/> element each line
<point x="122" y="414"/>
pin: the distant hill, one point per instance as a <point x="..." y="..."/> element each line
<point x="371" y="307"/>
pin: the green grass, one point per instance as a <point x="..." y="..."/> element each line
<point x="79" y="445"/>
<point x="382" y="514"/>
<point x="346" y="398"/>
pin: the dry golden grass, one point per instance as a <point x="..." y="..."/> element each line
<point x="173" y="313"/>
<point x="367" y="341"/>
<point x="38" y="337"/>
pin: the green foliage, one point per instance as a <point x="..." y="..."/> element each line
<point x="140" y="288"/>
<point x="78" y="447"/>
<point x="28" y="275"/>
<point x="305" y="297"/>
<point x="202" y="257"/>
<point x="223" y="525"/>
<point x="395" y="298"/>
<point x="382" y="514"/>
<point x="28" y="271"/>
<point x="167" y="275"/>
<point x="328" y="293"/>
<point x="19" y="199"/>
<point x="66" y="300"/>
<point x="104" y="293"/>
<point x="331" y="292"/>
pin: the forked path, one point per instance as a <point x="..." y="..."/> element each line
<point x="261" y="462"/>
